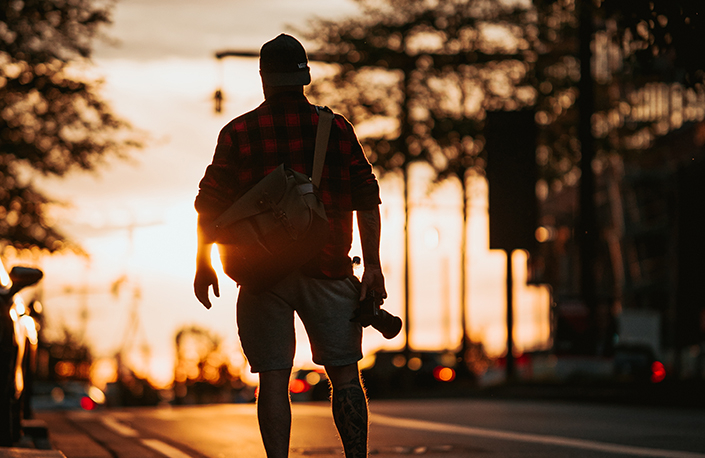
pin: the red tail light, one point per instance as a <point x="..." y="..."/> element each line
<point x="299" y="386"/>
<point x="658" y="372"/>
<point x="87" y="403"/>
<point x="444" y="374"/>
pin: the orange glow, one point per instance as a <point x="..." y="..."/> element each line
<point x="399" y="361"/>
<point x="299" y="386"/>
<point x="30" y="327"/>
<point x="65" y="369"/>
<point x="5" y="281"/>
<point x="161" y="372"/>
<point x="313" y="378"/>
<point x="20" y="306"/>
<point x="96" y="395"/>
<point x="543" y="234"/>
<point x="103" y="371"/>
<point x="444" y="374"/>
<point x="19" y="381"/>
<point x="58" y="395"/>
<point x="414" y="363"/>
<point x="658" y="372"/>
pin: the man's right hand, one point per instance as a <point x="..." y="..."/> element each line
<point x="373" y="280"/>
<point x="204" y="279"/>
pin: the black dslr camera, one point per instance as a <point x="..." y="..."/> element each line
<point x="369" y="313"/>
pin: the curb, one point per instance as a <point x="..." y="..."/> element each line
<point x="34" y="444"/>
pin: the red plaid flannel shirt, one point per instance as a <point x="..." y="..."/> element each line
<point x="283" y="129"/>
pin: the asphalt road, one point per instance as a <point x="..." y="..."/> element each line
<point x="428" y="428"/>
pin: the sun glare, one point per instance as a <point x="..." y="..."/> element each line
<point x="5" y="281"/>
<point x="149" y="241"/>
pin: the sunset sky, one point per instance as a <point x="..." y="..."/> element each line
<point x="136" y="219"/>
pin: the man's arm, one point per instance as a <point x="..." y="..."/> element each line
<point x="215" y="194"/>
<point x="370" y="225"/>
<point x="205" y="274"/>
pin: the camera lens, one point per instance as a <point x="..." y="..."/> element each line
<point x="388" y="324"/>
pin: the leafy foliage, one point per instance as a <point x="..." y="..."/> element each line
<point x="555" y="75"/>
<point x="51" y="119"/>
<point x="416" y="77"/>
<point x="665" y="35"/>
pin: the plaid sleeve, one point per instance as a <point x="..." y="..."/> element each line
<point x="216" y="189"/>
<point x="363" y="183"/>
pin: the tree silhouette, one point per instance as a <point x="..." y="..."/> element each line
<point x="613" y="77"/>
<point x="668" y="36"/>
<point x="51" y="119"/>
<point x="631" y="44"/>
<point x="422" y="75"/>
<point x="202" y="369"/>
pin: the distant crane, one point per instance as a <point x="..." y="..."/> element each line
<point x="134" y="329"/>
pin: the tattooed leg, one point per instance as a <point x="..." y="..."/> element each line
<point x="350" y="414"/>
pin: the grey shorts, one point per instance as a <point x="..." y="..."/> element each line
<point x="266" y="322"/>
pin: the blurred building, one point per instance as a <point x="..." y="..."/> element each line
<point x="650" y="210"/>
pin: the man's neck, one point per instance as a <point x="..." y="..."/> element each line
<point x="270" y="91"/>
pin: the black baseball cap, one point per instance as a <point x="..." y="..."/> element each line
<point x="283" y="62"/>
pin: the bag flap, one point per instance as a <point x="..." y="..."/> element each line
<point x="271" y="187"/>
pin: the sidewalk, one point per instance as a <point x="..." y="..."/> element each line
<point x="34" y="443"/>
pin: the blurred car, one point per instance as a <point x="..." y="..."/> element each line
<point x="397" y="374"/>
<point x="637" y="363"/>
<point x="309" y="385"/>
<point x="66" y="395"/>
<point x="18" y="345"/>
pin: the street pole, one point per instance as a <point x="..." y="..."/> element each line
<point x="586" y="233"/>
<point x="510" y="371"/>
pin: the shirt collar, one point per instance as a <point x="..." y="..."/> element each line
<point x="286" y="96"/>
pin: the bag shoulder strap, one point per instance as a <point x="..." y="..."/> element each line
<point x="325" y="121"/>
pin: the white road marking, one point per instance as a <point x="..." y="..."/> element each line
<point x="118" y="427"/>
<point x="165" y="449"/>
<point x="532" y="438"/>
<point x="124" y="430"/>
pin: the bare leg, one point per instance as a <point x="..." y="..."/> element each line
<point x="349" y="404"/>
<point x="274" y="412"/>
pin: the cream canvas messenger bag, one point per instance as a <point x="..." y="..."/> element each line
<point x="277" y="225"/>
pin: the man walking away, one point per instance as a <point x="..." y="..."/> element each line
<point x="324" y="292"/>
